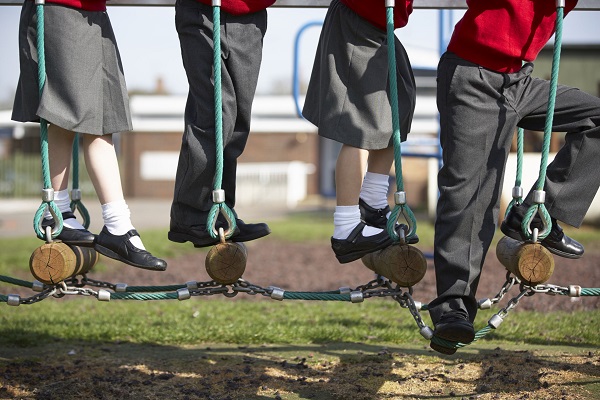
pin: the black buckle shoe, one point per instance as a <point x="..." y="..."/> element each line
<point x="75" y="237"/>
<point x="199" y="236"/>
<point x="377" y="217"/>
<point x="119" y="247"/>
<point x="357" y="245"/>
<point x="453" y="327"/>
<point x="556" y="242"/>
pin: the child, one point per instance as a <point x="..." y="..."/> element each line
<point x="484" y="91"/>
<point x="84" y="92"/>
<point x="243" y="26"/>
<point x="348" y="99"/>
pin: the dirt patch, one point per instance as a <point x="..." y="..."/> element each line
<point x="313" y="267"/>
<point x="337" y="371"/>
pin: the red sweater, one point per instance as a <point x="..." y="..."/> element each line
<point x="87" y="5"/>
<point x="374" y="11"/>
<point x="239" y="7"/>
<point x="501" y="34"/>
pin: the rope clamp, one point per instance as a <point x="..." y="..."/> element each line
<point x="485" y="304"/>
<point x="216" y="3"/>
<point x="218" y="196"/>
<point x="103" y="295"/>
<point x="390" y="3"/>
<point x="191" y="285"/>
<point x="517" y="192"/>
<point x="356" y="297"/>
<point x="560" y="3"/>
<point x="183" y="294"/>
<point x="37" y="286"/>
<point x="400" y="198"/>
<point x="277" y="293"/>
<point x="495" y="321"/>
<point x="75" y="194"/>
<point x="121" y="287"/>
<point x="539" y="196"/>
<point x="13" y="300"/>
<point x="345" y="290"/>
<point x="47" y="195"/>
<point x="40" y="2"/>
<point x="426" y="332"/>
<point x="574" y="291"/>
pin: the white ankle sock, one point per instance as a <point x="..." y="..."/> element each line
<point x="345" y="219"/>
<point x="117" y="219"/>
<point x="63" y="202"/>
<point x="374" y="190"/>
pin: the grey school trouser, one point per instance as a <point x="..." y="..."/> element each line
<point x="241" y="55"/>
<point x="479" y="110"/>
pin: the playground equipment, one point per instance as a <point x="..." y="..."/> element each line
<point x="62" y="270"/>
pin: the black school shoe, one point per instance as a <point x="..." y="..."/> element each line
<point x="556" y="242"/>
<point x="356" y="245"/>
<point x="199" y="236"/>
<point x="453" y="327"/>
<point x="76" y="237"/>
<point x="119" y="247"/>
<point x="377" y="217"/>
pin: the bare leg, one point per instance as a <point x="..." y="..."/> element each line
<point x="60" y="145"/>
<point x="380" y="161"/>
<point x="103" y="167"/>
<point x="349" y="172"/>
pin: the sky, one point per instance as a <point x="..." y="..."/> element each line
<point x="149" y="45"/>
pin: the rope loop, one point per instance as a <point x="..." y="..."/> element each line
<point x="411" y="222"/>
<point x="528" y="217"/>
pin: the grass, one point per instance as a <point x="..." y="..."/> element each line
<point x="254" y="323"/>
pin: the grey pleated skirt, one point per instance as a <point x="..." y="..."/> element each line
<point x="85" y="87"/>
<point x="348" y="93"/>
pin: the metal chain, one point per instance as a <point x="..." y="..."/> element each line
<point x="508" y="284"/>
<point x="38" y="297"/>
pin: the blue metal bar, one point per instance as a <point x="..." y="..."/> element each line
<point x="295" y="72"/>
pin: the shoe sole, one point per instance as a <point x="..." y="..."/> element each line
<point x="459" y="335"/>
<point x="349" y="257"/>
<point x="511" y="233"/>
<point x="184" y="237"/>
<point x="442" y="349"/>
<point x="179" y="237"/>
<point x="111" y="254"/>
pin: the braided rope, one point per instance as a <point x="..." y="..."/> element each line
<point x="58" y="222"/>
<point x="403" y="208"/>
<point x="540" y="208"/>
<point x="218" y="179"/>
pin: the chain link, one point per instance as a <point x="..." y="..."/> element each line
<point x="39" y="297"/>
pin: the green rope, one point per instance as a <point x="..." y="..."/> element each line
<point x="143" y="289"/>
<point x="143" y="296"/>
<point x="218" y="207"/>
<point x="588" y="292"/>
<point x="399" y="209"/>
<point x="316" y="296"/>
<point x="14" y="281"/>
<point x="76" y="203"/>
<point x="540" y="208"/>
<point x="58" y="222"/>
<point x="518" y="200"/>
